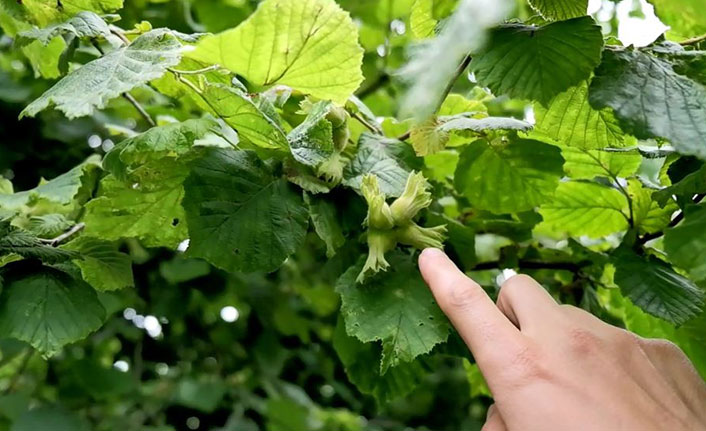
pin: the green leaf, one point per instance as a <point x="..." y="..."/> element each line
<point x="682" y="16"/>
<point x="421" y="19"/>
<point x="311" y="142"/>
<point x="46" y="307"/>
<point x="652" y="285"/>
<point x="427" y="138"/>
<point x="203" y="396"/>
<point x="685" y="244"/>
<point x="587" y="209"/>
<point x="483" y="124"/>
<point x="102" y="265"/>
<point x="570" y="120"/>
<point x="49" y="418"/>
<point x="239" y="111"/>
<point x="651" y="100"/>
<point x="91" y="86"/>
<point x="479" y="387"/>
<point x="48" y="226"/>
<point x="506" y="178"/>
<point x="85" y="25"/>
<point x="45" y="12"/>
<point x="150" y="210"/>
<point x="60" y="195"/>
<point x="395" y="308"/>
<point x="14" y="241"/>
<point x="648" y="216"/>
<point x="357" y="358"/>
<point x="537" y="63"/>
<point x="101" y="382"/>
<point x="382" y="157"/>
<point x="325" y="218"/>
<point x="180" y="270"/>
<point x="589" y="164"/>
<point x="172" y="140"/>
<point x="240" y="216"/>
<point x="313" y="48"/>
<point x="560" y="9"/>
<point x="687" y="187"/>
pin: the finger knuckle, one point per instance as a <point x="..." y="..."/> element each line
<point x="665" y="348"/>
<point x="582" y="341"/>
<point x="463" y="295"/>
<point x="526" y="366"/>
<point x="515" y="283"/>
<point x="627" y="340"/>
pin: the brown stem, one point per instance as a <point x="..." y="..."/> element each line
<point x="675" y="221"/>
<point x="531" y="264"/>
<point x="367" y="125"/>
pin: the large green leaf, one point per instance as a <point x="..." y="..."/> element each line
<point x="45" y="12"/>
<point x="49" y="418"/>
<point x="651" y="100"/>
<point x="91" y="86"/>
<point x="101" y="264"/>
<point x="684" y="17"/>
<point x="385" y="158"/>
<point x="685" y="243"/>
<point x="46" y="307"/>
<point x="168" y="141"/>
<point x="60" y="194"/>
<point x="656" y="288"/>
<point x="570" y="120"/>
<point x="326" y="223"/>
<point x="357" y="358"/>
<point x="395" y="308"/>
<point x="505" y="178"/>
<point x="149" y="210"/>
<point x="560" y="9"/>
<point x="239" y="111"/>
<point x="589" y="164"/>
<point x="85" y="25"/>
<point x="241" y="217"/>
<point x="648" y="216"/>
<point x="311" y="142"/>
<point x="580" y="208"/>
<point x="537" y="63"/>
<point x="311" y="46"/>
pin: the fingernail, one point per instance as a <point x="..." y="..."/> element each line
<point x="430" y="253"/>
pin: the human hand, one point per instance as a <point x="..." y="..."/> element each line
<point x="557" y="367"/>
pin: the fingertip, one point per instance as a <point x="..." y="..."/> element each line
<point x="430" y="253"/>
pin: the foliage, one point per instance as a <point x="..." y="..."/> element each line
<point x="235" y="248"/>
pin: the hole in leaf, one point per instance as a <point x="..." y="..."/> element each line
<point x="175" y="222"/>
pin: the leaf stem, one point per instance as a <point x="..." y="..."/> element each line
<point x="693" y="41"/>
<point x="64" y="236"/>
<point x="195" y="72"/>
<point x="675" y="221"/>
<point x="365" y="123"/>
<point x="459" y="71"/>
<point x="140" y="109"/>
<point x="127" y="96"/>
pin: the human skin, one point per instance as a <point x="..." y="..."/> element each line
<point x="556" y="367"/>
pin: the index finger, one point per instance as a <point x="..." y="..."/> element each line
<point x="489" y="334"/>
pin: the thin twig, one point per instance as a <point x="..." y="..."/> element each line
<point x="531" y="264"/>
<point x="64" y="236"/>
<point x="675" y="221"/>
<point x="459" y="71"/>
<point x="365" y="123"/>
<point x="126" y="95"/>
<point x="195" y="72"/>
<point x="140" y="109"/>
<point x="380" y="82"/>
<point x="121" y="36"/>
<point x="693" y="41"/>
<point x="23" y="366"/>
